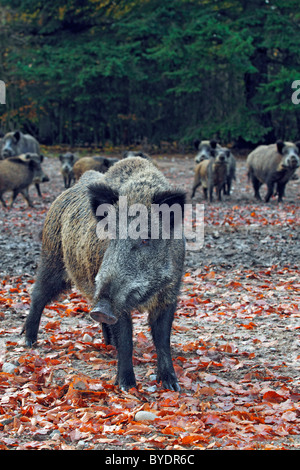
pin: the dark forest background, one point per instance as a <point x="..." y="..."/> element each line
<point x="105" y="72"/>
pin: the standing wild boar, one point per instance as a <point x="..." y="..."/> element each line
<point x="67" y="162"/>
<point x="16" y="143"/>
<point x="212" y="172"/>
<point x="116" y="274"/>
<point x="97" y="163"/>
<point x="273" y="164"/>
<point x="18" y="173"/>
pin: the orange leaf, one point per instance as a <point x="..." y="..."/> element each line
<point x="273" y="397"/>
<point x="137" y="429"/>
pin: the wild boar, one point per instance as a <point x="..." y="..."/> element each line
<point x="67" y="162"/>
<point x="273" y="164"/>
<point x="118" y="273"/>
<point x="97" y="163"/>
<point x="131" y="153"/>
<point x="212" y="173"/>
<point x="17" y="173"/>
<point x="16" y="143"/>
<point x="206" y="149"/>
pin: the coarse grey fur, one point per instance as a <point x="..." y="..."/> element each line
<point x="116" y="275"/>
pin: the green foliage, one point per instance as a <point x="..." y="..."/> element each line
<point x="100" y="70"/>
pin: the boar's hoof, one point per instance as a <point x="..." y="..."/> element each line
<point x="102" y="313"/>
<point x="169" y="381"/>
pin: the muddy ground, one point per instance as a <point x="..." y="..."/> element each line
<point x="248" y="248"/>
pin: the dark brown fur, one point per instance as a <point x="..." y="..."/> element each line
<point x="96" y="163"/>
<point x="18" y="173"/>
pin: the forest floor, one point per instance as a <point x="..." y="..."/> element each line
<point x="235" y="338"/>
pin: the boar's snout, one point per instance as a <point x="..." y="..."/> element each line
<point x="103" y="313"/>
<point x="40" y="178"/>
<point x="45" y="178"/>
<point x="294" y="161"/>
<point x="7" y="153"/>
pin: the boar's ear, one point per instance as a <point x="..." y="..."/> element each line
<point x="280" y="145"/>
<point x="101" y="194"/>
<point x="41" y="158"/>
<point x="196" y="143"/>
<point x="298" y="145"/>
<point x="17" y="135"/>
<point x="171" y="197"/>
<point x="213" y="143"/>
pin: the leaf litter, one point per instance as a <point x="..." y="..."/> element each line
<point x="235" y="340"/>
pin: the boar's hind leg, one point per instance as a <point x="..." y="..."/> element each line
<point x="256" y="185"/>
<point x="161" y="325"/>
<point x="49" y="284"/>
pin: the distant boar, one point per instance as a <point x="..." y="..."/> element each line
<point x="17" y="143"/>
<point x="205" y="149"/>
<point x="67" y="162"/>
<point x="212" y="172"/>
<point x="97" y="163"/>
<point x="17" y="173"/>
<point x="273" y="165"/>
<point x="131" y="153"/>
<point x="119" y="274"/>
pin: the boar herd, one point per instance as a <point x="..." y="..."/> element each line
<point x="273" y="165"/>
<point x="120" y="274"/>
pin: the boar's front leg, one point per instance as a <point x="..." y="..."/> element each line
<point x="161" y="325"/>
<point x="120" y="335"/>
